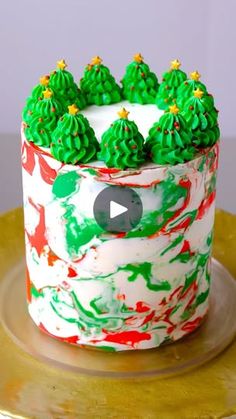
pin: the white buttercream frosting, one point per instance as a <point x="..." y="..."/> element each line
<point x="101" y="117"/>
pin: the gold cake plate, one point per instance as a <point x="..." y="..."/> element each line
<point x="216" y="332"/>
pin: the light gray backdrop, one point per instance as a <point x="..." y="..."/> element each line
<point x="34" y="34"/>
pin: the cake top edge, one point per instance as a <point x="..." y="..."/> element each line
<point x="99" y="167"/>
<point x="57" y="115"/>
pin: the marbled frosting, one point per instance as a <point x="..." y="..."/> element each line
<point x="133" y="290"/>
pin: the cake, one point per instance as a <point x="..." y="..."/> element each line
<point x="141" y="287"/>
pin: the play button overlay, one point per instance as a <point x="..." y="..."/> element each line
<point x="117" y="209"/>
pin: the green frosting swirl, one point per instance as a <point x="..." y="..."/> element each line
<point x="122" y="145"/>
<point x="37" y="91"/>
<point x="140" y="85"/>
<point x="99" y="86"/>
<point x="170" y="140"/>
<point x="164" y="155"/>
<point x="202" y="119"/>
<point x="43" y="121"/>
<point x="186" y="89"/>
<point x="73" y="140"/>
<point x="31" y="102"/>
<point x="62" y="83"/>
<point x="61" y="79"/>
<point x="168" y="89"/>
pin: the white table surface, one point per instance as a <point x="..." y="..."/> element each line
<point x="10" y="174"/>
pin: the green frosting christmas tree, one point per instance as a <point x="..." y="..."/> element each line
<point x="73" y="140"/>
<point x="170" y="139"/>
<point x="98" y="85"/>
<point x="122" y="144"/>
<point x="202" y="118"/>
<point x="185" y="90"/>
<point x="140" y="85"/>
<point x="63" y="84"/>
<point x="31" y="102"/>
<point x="171" y="80"/>
<point x="44" y="119"/>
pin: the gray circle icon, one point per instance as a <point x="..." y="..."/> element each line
<point x="117" y="209"/>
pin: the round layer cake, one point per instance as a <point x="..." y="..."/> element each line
<point x="118" y="291"/>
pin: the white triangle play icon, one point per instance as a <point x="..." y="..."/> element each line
<point x="116" y="209"/>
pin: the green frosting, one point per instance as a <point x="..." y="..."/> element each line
<point x="63" y="84"/>
<point x="170" y="140"/>
<point x="31" y="101"/>
<point x="43" y="122"/>
<point x="185" y="91"/>
<point x="140" y="85"/>
<point x="65" y="184"/>
<point x="168" y="89"/>
<point x="99" y="86"/>
<point x="202" y="119"/>
<point x="37" y="92"/>
<point x="145" y="269"/>
<point x="73" y="140"/>
<point x="122" y="145"/>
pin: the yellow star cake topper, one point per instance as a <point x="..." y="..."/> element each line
<point x="47" y="94"/>
<point x="44" y="80"/>
<point x="96" y="60"/>
<point x="73" y="109"/>
<point x="138" y="58"/>
<point x="61" y="64"/>
<point x="195" y="75"/>
<point x="198" y="93"/>
<point x="123" y="113"/>
<point x="175" y="65"/>
<point x="174" y="109"/>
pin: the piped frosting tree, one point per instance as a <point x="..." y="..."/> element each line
<point x="32" y="100"/>
<point x="171" y="80"/>
<point x="185" y="90"/>
<point x="98" y="85"/>
<point x="122" y="144"/>
<point x="170" y="139"/>
<point x="73" y="140"/>
<point x="202" y="118"/>
<point x="44" y="119"/>
<point x="140" y="85"/>
<point x="64" y="86"/>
